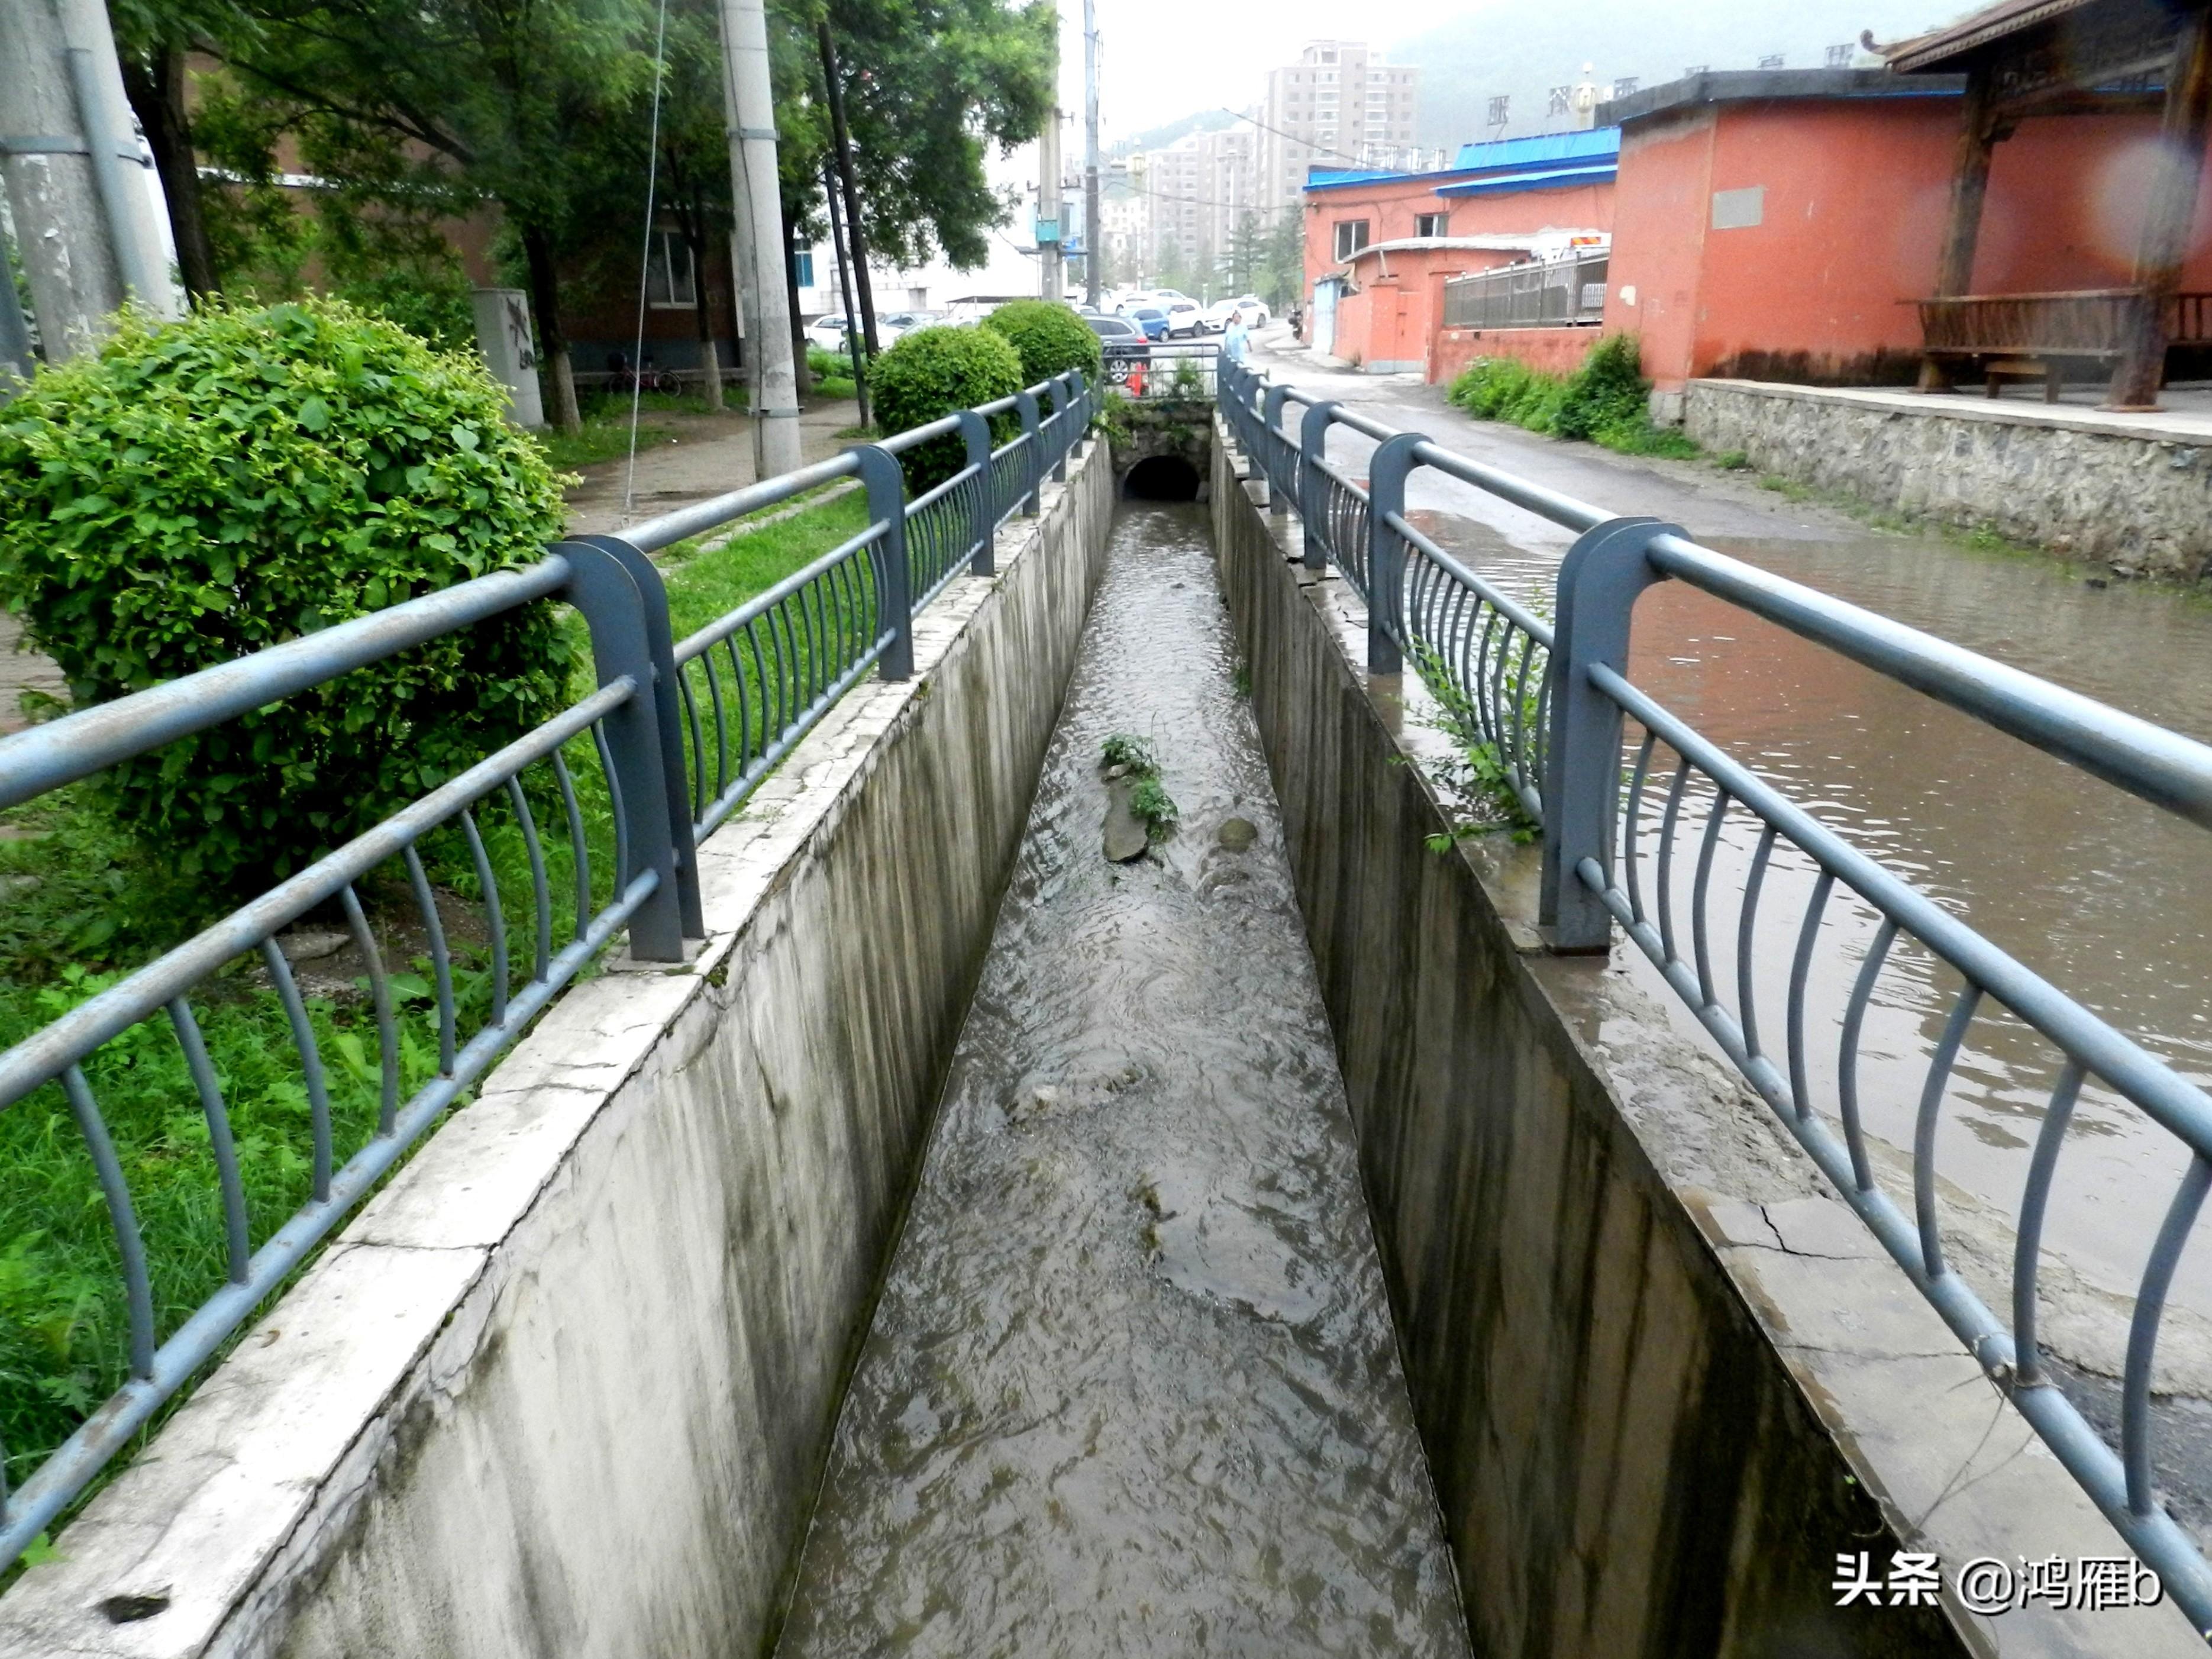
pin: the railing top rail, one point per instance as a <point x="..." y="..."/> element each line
<point x="931" y="497"/>
<point x="671" y="528"/>
<point x="945" y="426"/>
<point x="2159" y="766"/>
<point x="1004" y="406"/>
<point x="1560" y="509"/>
<point x="76" y="745"/>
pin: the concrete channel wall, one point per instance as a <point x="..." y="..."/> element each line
<point x="1664" y="1377"/>
<point x="566" y="1386"/>
<point x="2124" y="490"/>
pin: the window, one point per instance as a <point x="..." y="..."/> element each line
<point x="1350" y="237"/>
<point x="669" y="278"/>
<point x="802" y="264"/>
<point x="1432" y="224"/>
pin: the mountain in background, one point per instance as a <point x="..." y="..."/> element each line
<point x="1159" y="138"/>
<point x="1520" y="51"/>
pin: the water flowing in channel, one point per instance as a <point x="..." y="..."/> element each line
<point x="1132" y="1387"/>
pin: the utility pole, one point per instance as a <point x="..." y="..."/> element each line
<point x="1094" y="233"/>
<point x="748" y="105"/>
<point x="841" y="138"/>
<point x="1050" y="231"/>
<point x="86" y="223"/>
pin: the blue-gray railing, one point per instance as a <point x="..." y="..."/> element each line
<point x="1554" y="700"/>
<point x="682" y="732"/>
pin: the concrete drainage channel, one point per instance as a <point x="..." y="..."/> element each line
<point x="1116" y="1321"/>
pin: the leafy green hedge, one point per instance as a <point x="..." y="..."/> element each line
<point x="203" y="488"/>
<point x="933" y="372"/>
<point x="1605" y="401"/>
<point x="1049" y="339"/>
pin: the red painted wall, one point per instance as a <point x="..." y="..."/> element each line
<point x="1554" y="350"/>
<point x="1393" y="314"/>
<point x="1856" y="194"/>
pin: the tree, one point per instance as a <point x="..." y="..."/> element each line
<point x="496" y="93"/>
<point x="152" y="38"/>
<point x="928" y="84"/>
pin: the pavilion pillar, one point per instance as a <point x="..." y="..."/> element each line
<point x="1970" y="187"/>
<point x="2169" y="215"/>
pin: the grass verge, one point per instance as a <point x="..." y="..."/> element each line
<point x="1605" y="402"/>
<point x="86" y="903"/>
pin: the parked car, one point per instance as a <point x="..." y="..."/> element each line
<point x="1150" y="319"/>
<point x="1124" y="346"/>
<point x="1184" y="319"/>
<point x="828" y="332"/>
<point x="1249" y="306"/>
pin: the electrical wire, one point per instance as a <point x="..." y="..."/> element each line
<point x="645" y="264"/>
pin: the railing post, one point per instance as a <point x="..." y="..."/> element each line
<point x="1061" y="400"/>
<point x="1270" y="417"/>
<point x="886" y="486"/>
<point x="1387" y="469"/>
<point x="1599" y="580"/>
<point x="1025" y="405"/>
<point x="668" y="716"/>
<point x="1313" y="445"/>
<point x="602" y="589"/>
<point x="976" y="433"/>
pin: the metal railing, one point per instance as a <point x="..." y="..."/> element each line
<point x="673" y="739"/>
<point x="1556" y="700"/>
<point x="1565" y="293"/>
<point x="1167" y="371"/>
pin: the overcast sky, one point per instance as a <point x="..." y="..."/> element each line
<point x="1166" y="58"/>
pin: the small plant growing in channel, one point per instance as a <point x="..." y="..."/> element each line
<point x="1149" y="800"/>
<point x="1479" y="775"/>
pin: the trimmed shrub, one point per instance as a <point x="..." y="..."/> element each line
<point x="933" y="372"/>
<point x="1049" y="339"/>
<point x="204" y="488"/>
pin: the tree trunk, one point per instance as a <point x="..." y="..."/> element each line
<point x="157" y="92"/>
<point x="710" y="361"/>
<point x="545" y="301"/>
<point x="849" y="188"/>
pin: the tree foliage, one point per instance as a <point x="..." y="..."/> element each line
<point x="1049" y="338"/>
<point x="933" y="372"/>
<point x="207" y="488"/>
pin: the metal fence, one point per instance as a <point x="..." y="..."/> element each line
<point x="1629" y="830"/>
<point x="1568" y="293"/>
<point x="1169" y="371"/>
<point x="674" y="738"/>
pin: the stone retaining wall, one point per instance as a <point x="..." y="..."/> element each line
<point x="2064" y="478"/>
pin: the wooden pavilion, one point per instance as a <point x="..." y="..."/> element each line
<point x="2030" y="58"/>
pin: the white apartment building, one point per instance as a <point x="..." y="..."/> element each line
<point x="1337" y="105"/>
<point x="1192" y="195"/>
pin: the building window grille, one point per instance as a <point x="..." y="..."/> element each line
<point x="1350" y="237"/>
<point x="669" y="278"/>
<point x="1432" y="224"/>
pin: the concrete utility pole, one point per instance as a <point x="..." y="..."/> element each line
<point x="1050" y="231"/>
<point x="748" y="105"/>
<point x="1094" y="233"/>
<point x="86" y="223"/>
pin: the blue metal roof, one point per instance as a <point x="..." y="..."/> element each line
<point x="1590" y="173"/>
<point x="1544" y="163"/>
<point x="1540" y="150"/>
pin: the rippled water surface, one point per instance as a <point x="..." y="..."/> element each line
<point x="1132" y="1387"/>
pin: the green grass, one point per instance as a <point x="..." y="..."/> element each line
<point x="603" y="438"/>
<point x="85" y="904"/>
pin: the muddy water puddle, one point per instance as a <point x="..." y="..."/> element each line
<point x="1132" y="1387"/>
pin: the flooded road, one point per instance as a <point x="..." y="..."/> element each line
<point x="1132" y="1387"/>
<point x="2109" y="899"/>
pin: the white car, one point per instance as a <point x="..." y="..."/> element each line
<point x="1248" y="307"/>
<point x="1183" y="318"/>
<point x="828" y="332"/>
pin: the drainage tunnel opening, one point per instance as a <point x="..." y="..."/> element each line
<point x="1160" y="478"/>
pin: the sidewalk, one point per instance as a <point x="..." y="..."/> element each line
<point x="710" y="456"/>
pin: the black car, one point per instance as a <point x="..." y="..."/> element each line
<point x="1123" y="346"/>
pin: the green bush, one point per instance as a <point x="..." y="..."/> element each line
<point x="1605" y="401"/>
<point x="933" y="372"/>
<point x="204" y="488"/>
<point x="1049" y="339"/>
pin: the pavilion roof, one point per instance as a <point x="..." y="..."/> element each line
<point x="1947" y="48"/>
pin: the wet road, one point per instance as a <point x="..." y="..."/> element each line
<point x="1132" y="1387"/>
<point x="2106" y="897"/>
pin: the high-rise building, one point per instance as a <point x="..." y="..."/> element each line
<point x="1337" y="105"/>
